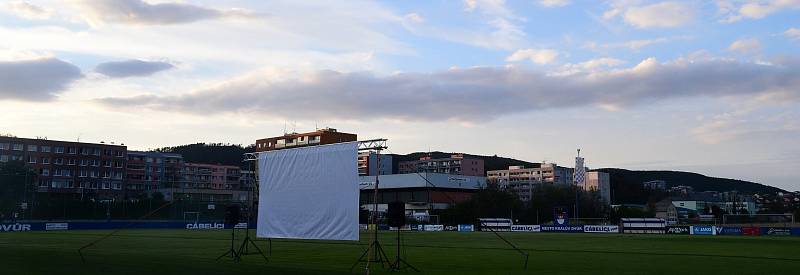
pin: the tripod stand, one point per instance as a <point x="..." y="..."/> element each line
<point x="244" y="249"/>
<point x="231" y="252"/>
<point x="378" y="257"/>
<point x="400" y="263"/>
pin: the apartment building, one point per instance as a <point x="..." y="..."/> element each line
<point x="456" y="164"/>
<point x="599" y="182"/>
<point x="523" y="180"/>
<point x="368" y="164"/>
<point x="70" y="167"/>
<point x="148" y="171"/>
<point x="318" y="137"/>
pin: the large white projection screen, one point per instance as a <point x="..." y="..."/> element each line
<point x="309" y="193"/>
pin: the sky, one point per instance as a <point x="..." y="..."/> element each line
<point x="705" y="86"/>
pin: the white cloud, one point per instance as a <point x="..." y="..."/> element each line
<point x="139" y="12"/>
<point x="659" y="15"/>
<point x="554" y="3"/>
<point x="473" y="94"/>
<point x="589" y="66"/>
<point x="133" y="67"/>
<point x="747" y="46"/>
<point x="36" y="79"/>
<point x="27" y="10"/>
<point x="792" y="33"/>
<point x="504" y="32"/>
<point x="414" y="18"/>
<point x="636" y="44"/>
<point x="538" y="56"/>
<point x="733" y="11"/>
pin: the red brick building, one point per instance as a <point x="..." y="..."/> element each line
<point x="93" y="169"/>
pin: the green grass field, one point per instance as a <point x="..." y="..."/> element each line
<point x="193" y="252"/>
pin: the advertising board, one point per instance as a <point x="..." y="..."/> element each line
<point x="601" y="228"/>
<point x="56" y="226"/>
<point x="561" y="228"/>
<point x="434" y="227"/>
<point x="776" y="231"/>
<point x="702" y="230"/>
<point x="728" y="230"/>
<point x="682" y="230"/>
<point x="751" y="231"/>
<point x="525" y="228"/>
<point x="466" y="228"/>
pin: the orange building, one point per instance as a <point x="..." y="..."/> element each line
<point x="318" y="137"/>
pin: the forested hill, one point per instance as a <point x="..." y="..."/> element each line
<point x="211" y="153"/>
<point x="697" y="181"/>
<point x="623" y="181"/>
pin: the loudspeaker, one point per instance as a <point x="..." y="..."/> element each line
<point x="233" y="214"/>
<point x="396" y="213"/>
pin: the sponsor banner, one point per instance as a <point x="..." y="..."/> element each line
<point x="56" y="226"/>
<point x="776" y="231"/>
<point x="601" y="228"/>
<point x="466" y="228"/>
<point x="796" y="231"/>
<point x="402" y="228"/>
<point x="204" y="226"/>
<point x="383" y="227"/>
<point x="526" y="228"/>
<point x="362" y="226"/>
<point x="241" y="225"/>
<point x="18" y="227"/>
<point x="561" y="228"/>
<point x="684" y="230"/>
<point x="751" y="231"/>
<point x="728" y="230"/>
<point x="450" y="228"/>
<point x="433" y="227"/>
<point x="702" y="230"/>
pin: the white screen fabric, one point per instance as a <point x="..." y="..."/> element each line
<point x="309" y="193"/>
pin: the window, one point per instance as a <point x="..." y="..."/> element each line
<point x="31" y="159"/>
<point x="3" y="158"/>
<point x="57" y="172"/>
<point x="107" y="163"/>
<point x="85" y="151"/>
<point x="4" y="146"/>
<point x="66" y="173"/>
<point x="105" y="185"/>
<point x="94" y="174"/>
<point x="60" y="150"/>
<point x="95" y="162"/>
<point x="71" y="150"/>
<point x="118" y="164"/>
<point x="106" y="174"/>
<point x="71" y="162"/>
<point x="118" y="153"/>
<point x="45" y="160"/>
<point x="58" y="161"/>
<point x="45" y="149"/>
<point x="96" y="151"/>
<point x="33" y="148"/>
<point x="17" y="147"/>
<point x="84" y="162"/>
<point x="44" y="183"/>
<point x="45" y="172"/>
<point x="83" y="173"/>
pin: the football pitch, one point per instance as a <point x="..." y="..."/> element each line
<point x="194" y="252"/>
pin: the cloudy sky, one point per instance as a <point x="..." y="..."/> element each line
<point x="704" y="86"/>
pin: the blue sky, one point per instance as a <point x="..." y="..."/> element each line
<point x="704" y="86"/>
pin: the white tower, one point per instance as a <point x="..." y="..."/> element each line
<point x="579" y="177"/>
